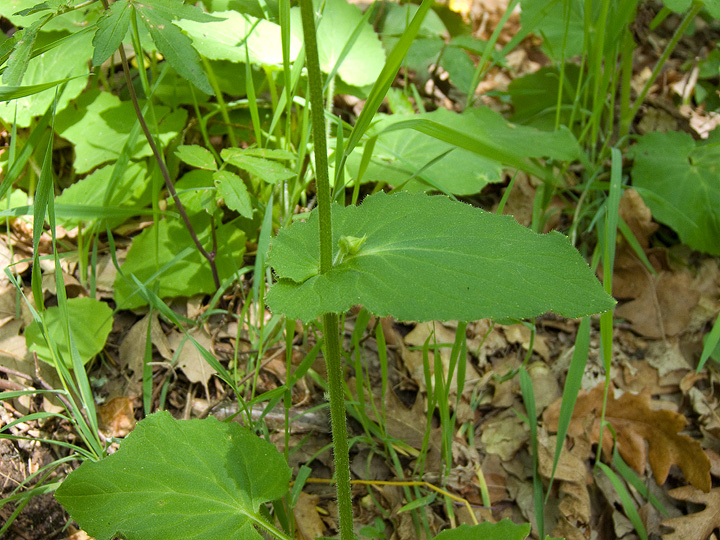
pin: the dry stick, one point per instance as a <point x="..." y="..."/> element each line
<point x="163" y="169"/>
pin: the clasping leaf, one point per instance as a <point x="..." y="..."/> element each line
<point x="429" y="258"/>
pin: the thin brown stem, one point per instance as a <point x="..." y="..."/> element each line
<point x="163" y="169"/>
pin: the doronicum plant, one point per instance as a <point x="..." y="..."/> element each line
<point x="410" y="256"/>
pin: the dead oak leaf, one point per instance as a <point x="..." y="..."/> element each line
<point x="697" y="526"/>
<point x="635" y="424"/>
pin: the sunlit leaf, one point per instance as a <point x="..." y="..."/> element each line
<point x="429" y="258"/>
<point x="90" y="323"/>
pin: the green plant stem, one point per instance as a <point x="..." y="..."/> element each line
<point x="322" y="178"/>
<point x="330" y="320"/>
<point x="339" y="426"/>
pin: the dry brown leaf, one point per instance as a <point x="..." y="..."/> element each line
<point x="697" y="526"/>
<point x="307" y="519"/>
<point x="193" y="364"/>
<point x="117" y="416"/>
<point x="439" y="333"/>
<point x="636" y="424"/>
<point x="663" y="308"/>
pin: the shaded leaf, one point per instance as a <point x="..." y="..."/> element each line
<point x="193" y="479"/>
<point x="680" y="182"/>
<point x="428" y="258"/>
<point x="174" y="264"/>
<point x="636" y="424"/>
<point x="231" y="188"/>
<point x="90" y="323"/>
<point x="98" y="123"/>
<point x="405" y="157"/>
<point x="698" y="525"/>
<point x="68" y="59"/>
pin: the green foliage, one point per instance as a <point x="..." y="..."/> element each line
<point x="66" y="57"/>
<point x="98" y="124"/>
<point x="132" y="189"/>
<point x="162" y="256"/>
<point x="412" y="256"/>
<point x="194" y="479"/>
<point x="679" y="180"/>
<point x="428" y="258"/>
<point x="90" y="324"/>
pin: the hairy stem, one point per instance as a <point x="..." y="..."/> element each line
<point x="330" y="320"/>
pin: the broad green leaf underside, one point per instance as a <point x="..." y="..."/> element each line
<point x="429" y="258"/>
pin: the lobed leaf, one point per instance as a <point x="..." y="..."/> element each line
<point x="428" y="258"/>
<point x="636" y="423"/>
<point x="175" y="46"/>
<point x="192" y="479"/>
<point x="232" y="188"/>
<point x="111" y="29"/>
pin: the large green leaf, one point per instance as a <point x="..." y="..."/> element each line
<point x="98" y="123"/>
<point x="192" y="479"/>
<point x="680" y="182"/>
<point x="503" y="530"/>
<point x="425" y="258"/>
<point x="226" y="40"/>
<point x="133" y="189"/>
<point x="362" y="66"/>
<point x="486" y="133"/>
<point x="90" y="324"/>
<point x="68" y="59"/>
<point x="404" y="157"/>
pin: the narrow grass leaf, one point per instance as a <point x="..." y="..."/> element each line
<point x="386" y="78"/>
<point x="570" y="392"/>
<point x="528" y="394"/>
<point x="711" y="343"/>
<point x="626" y="501"/>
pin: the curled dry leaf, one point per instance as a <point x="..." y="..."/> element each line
<point x="636" y="424"/>
<point x="697" y="526"/>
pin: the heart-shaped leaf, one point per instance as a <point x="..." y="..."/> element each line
<point x="429" y="258"/>
<point x="193" y="479"/>
<point x="679" y="181"/>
